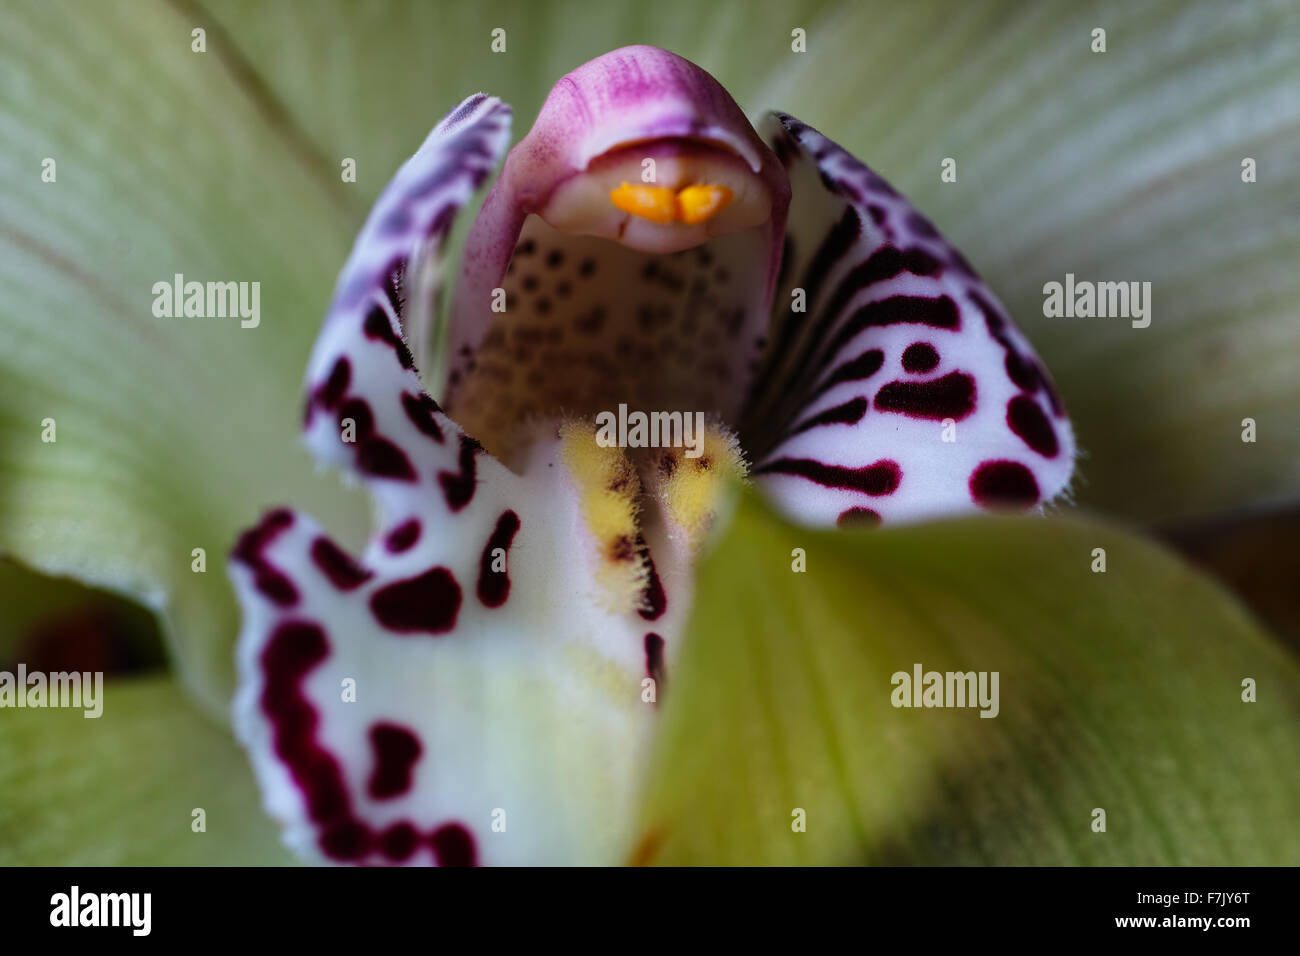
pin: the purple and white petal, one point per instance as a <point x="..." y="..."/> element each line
<point x="399" y="247"/>
<point x="901" y="390"/>
<point x="461" y="691"/>
<point x="455" y="695"/>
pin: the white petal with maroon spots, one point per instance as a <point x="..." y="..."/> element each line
<point x="846" y="419"/>
<point x="476" y="691"/>
<point x="402" y="239"/>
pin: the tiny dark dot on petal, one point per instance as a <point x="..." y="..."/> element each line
<point x="348" y="840"/>
<point x="858" y="518"/>
<point x="403" y="536"/>
<point x="453" y="845"/>
<point x="398" y="842"/>
<point x="654" y="656"/>
<point x="920" y="357"/>
<point x="357" y="411"/>
<point x="273" y="584"/>
<point x="420" y="409"/>
<point x="1026" y="419"/>
<point x="379" y="457"/>
<point x="1003" y="484"/>
<point x="337" y="565"/>
<point x="331" y="393"/>
<point x="426" y="603"/>
<point x="493" y="583"/>
<point x="396" y="750"/>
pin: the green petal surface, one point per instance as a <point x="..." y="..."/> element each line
<point x="1120" y="691"/>
<point x="121" y="789"/>
<point x="171" y="434"/>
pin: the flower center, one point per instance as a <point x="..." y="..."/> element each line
<point x="639" y="287"/>
<point x="619" y="292"/>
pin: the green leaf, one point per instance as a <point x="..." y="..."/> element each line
<point x="121" y="789"/>
<point x="370" y="81"/>
<point x="1121" y="166"/>
<point x="171" y="434"/>
<point x="1119" y="690"/>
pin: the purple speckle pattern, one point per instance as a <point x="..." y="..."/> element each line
<point x="366" y="411"/>
<point x="900" y="354"/>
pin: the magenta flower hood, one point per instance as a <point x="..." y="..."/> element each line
<point x="479" y="686"/>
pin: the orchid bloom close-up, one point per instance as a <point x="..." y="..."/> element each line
<point x="680" y="482"/>
<point x="525" y="576"/>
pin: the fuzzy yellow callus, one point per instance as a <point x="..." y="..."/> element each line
<point x="608" y="491"/>
<point x="690" y="488"/>
<point x="680" y="491"/>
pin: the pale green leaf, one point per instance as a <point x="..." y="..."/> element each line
<point x="369" y="80"/>
<point x="171" y="434"/>
<point x="121" y="789"/>
<point x="1119" y="690"/>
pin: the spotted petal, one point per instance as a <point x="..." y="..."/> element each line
<point x="458" y="693"/>
<point x="896" y="387"/>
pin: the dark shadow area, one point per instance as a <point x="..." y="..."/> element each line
<point x="56" y="624"/>
<point x="1257" y="555"/>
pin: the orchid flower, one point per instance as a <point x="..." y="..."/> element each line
<point x="504" y="623"/>
<point x="504" y="637"/>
